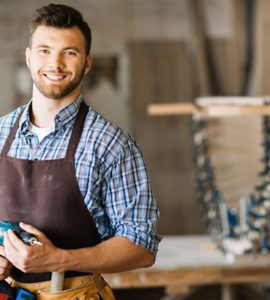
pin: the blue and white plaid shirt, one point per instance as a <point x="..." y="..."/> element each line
<point x="109" y="168"/>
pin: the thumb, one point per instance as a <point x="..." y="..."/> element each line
<point x="31" y="229"/>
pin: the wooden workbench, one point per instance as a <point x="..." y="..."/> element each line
<point x="184" y="261"/>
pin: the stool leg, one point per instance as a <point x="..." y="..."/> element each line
<point x="227" y="292"/>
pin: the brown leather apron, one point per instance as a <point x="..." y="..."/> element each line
<point x="46" y="194"/>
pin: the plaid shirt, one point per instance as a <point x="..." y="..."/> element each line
<point x="109" y="168"/>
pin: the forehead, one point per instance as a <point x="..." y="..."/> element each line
<point x="58" y="37"/>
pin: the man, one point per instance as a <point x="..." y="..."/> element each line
<point x="77" y="179"/>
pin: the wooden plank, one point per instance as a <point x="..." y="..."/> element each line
<point x="233" y="111"/>
<point x="171" y="109"/>
<point x="232" y="100"/>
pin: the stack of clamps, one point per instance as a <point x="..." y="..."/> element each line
<point x="236" y="231"/>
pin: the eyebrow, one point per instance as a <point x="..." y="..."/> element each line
<point x="42" y="46"/>
<point x="72" y="48"/>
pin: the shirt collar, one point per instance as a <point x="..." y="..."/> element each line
<point x="62" y="118"/>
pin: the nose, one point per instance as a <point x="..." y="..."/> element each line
<point x="57" y="62"/>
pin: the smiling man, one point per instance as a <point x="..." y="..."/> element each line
<point x="67" y="175"/>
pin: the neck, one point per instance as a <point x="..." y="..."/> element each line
<point x="45" y="109"/>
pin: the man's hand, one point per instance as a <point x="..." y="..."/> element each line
<point x="41" y="258"/>
<point x="5" y="265"/>
<point x="97" y="259"/>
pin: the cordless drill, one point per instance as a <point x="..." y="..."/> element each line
<point x="6" y="291"/>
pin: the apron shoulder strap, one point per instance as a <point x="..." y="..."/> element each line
<point x="11" y="135"/>
<point x="77" y="131"/>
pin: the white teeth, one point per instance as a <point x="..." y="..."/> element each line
<point x="54" y="76"/>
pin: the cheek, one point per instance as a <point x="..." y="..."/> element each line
<point x="34" y="68"/>
<point x="36" y="64"/>
<point x="37" y="61"/>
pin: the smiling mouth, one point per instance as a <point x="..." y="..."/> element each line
<point x="54" y="77"/>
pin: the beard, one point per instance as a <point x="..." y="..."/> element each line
<point x="54" y="91"/>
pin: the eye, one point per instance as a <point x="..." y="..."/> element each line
<point x="70" y="53"/>
<point x="43" y="51"/>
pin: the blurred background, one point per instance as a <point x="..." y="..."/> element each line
<point x="157" y="51"/>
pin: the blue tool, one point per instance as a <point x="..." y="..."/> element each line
<point x="6" y="291"/>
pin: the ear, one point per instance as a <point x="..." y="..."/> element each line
<point x="27" y="56"/>
<point x="89" y="60"/>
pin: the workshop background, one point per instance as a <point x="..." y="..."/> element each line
<point x="158" y="51"/>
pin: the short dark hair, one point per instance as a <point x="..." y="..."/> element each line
<point x="61" y="16"/>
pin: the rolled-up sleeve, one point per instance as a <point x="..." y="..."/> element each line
<point x="130" y="204"/>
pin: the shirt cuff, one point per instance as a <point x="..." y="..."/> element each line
<point x="142" y="238"/>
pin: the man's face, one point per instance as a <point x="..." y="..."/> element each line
<point x="57" y="61"/>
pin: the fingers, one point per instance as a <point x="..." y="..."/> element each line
<point x="4" y="272"/>
<point x="5" y="265"/>
<point x="2" y="251"/>
<point x="15" y="250"/>
<point x="11" y="241"/>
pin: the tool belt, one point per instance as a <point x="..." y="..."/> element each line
<point x="89" y="287"/>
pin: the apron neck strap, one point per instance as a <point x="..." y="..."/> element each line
<point x="77" y="131"/>
<point x="11" y="135"/>
<point x="74" y="139"/>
